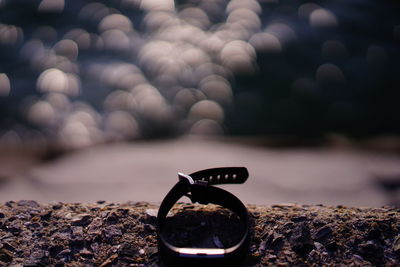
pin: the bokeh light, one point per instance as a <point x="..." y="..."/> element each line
<point x="142" y="69"/>
<point x="5" y="86"/>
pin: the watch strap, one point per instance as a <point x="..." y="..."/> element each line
<point x="215" y="176"/>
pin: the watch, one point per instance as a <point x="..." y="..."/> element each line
<point x="199" y="187"/>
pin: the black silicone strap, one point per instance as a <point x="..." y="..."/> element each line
<point x="231" y="175"/>
<point x="197" y="187"/>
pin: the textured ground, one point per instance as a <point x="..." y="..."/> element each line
<point x="107" y="234"/>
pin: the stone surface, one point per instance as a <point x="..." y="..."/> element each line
<point x="108" y="234"/>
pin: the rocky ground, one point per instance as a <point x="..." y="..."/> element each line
<point x="107" y="234"/>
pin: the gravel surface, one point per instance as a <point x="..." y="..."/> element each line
<point x="108" y="234"/>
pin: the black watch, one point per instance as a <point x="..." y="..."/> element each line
<point x="199" y="188"/>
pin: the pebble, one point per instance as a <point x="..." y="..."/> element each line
<point x="112" y="231"/>
<point x="55" y="250"/>
<point x="112" y="218"/>
<point x="64" y="253"/>
<point x="396" y="244"/>
<point x="85" y="253"/>
<point x="299" y="219"/>
<point x="46" y="216"/>
<point x="28" y="203"/>
<point x="301" y="241"/>
<point x="57" y="206"/>
<point x="94" y="226"/>
<point x="323" y="233"/>
<point x="5" y="255"/>
<point x="372" y="252"/>
<point x="149" y="227"/>
<point x="318" y="245"/>
<point x="127" y="249"/>
<point x="81" y="220"/>
<point x="152" y="212"/>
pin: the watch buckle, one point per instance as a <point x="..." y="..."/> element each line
<point x="197" y="193"/>
<point x="185" y="177"/>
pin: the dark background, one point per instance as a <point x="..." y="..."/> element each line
<point x="283" y="97"/>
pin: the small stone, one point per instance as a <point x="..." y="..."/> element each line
<point x="63" y="234"/>
<point x="82" y="220"/>
<point x="28" y="203"/>
<point x="77" y="232"/>
<point x="318" y="223"/>
<point x="64" y="253"/>
<point x="277" y="242"/>
<point x="109" y="261"/>
<point x="95" y="247"/>
<point x="38" y="254"/>
<point x="149" y="228"/>
<point x="152" y="212"/>
<point x="23" y="216"/>
<point x="14" y="228"/>
<point x="358" y="257"/>
<point x="361" y="224"/>
<point x="5" y="255"/>
<point x="372" y="252"/>
<point x="112" y="231"/>
<point x="56" y="206"/>
<point x="115" y="248"/>
<point x="8" y="246"/>
<point x="396" y="244"/>
<point x="35" y="226"/>
<point x="288" y="225"/>
<point x="85" y="253"/>
<point x="55" y="250"/>
<point x="127" y="249"/>
<point x="299" y="219"/>
<point x="323" y="233"/>
<point x="10" y="203"/>
<point x="94" y="226"/>
<point x="112" y="218"/>
<point x="318" y="245"/>
<point x="2" y="215"/>
<point x="301" y="241"/>
<point x="262" y="247"/>
<point x="151" y="251"/>
<point x="46" y="216"/>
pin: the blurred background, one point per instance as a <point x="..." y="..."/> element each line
<point x="109" y="99"/>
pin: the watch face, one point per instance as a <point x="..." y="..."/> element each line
<point x="208" y="227"/>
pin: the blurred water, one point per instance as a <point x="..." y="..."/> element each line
<point x="84" y="72"/>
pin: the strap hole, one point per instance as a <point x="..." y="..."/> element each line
<point x="226" y="176"/>
<point x="218" y="176"/>
<point x="211" y="178"/>
<point x="203" y="179"/>
<point x="234" y="176"/>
